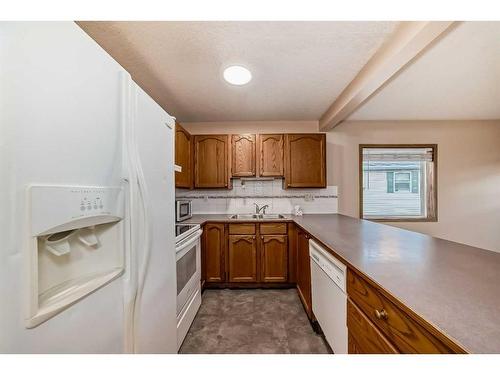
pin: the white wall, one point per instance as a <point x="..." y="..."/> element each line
<point x="252" y="127"/>
<point x="468" y="173"/>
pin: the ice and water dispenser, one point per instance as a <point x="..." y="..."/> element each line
<point x="76" y="245"/>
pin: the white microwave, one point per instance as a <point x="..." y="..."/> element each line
<point x="183" y="210"/>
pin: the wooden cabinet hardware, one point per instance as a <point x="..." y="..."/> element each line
<point x="381" y="314"/>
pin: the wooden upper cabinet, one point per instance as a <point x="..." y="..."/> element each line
<point x="211" y="161"/>
<point x="304" y="271"/>
<point x="274" y="258"/>
<point x="183" y="157"/>
<point x="305" y="160"/>
<point x="213" y="250"/>
<point x="271" y="155"/>
<point x="243" y="155"/>
<point x="242" y="254"/>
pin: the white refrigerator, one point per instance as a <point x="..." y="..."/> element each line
<point x="87" y="261"/>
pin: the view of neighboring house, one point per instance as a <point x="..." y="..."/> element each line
<point x="393" y="188"/>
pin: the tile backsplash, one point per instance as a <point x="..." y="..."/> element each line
<point x="242" y="197"/>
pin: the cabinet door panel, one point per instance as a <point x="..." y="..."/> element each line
<point x="243" y="155"/>
<point x="242" y="258"/>
<point x="305" y="164"/>
<point x="271" y="155"/>
<point x="274" y="251"/>
<point x="407" y="335"/>
<point x="183" y="158"/>
<point x="210" y="166"/>
<point x="273" y="228"/>
<point x="241" y="228"/>
<point x="304" y="271"/>
<point x="364" y="337"/>
<point x="213" y="252"/>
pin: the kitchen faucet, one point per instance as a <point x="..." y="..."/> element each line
<point x="263" y="209"/>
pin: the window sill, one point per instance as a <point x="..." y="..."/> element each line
<point x="407" y="220"/>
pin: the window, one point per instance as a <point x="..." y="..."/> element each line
<point x="398" y="183"/>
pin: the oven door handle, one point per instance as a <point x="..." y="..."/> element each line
<point x="182" y="248"/>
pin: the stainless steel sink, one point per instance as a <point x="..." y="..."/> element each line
<point x="244" y="217"/>
<point x="256" y="217"/>
<point x="271" y="216"/>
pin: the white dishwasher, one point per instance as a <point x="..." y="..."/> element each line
<point x="329" y="300"/>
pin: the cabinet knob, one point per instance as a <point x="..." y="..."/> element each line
<point x="381" y="315"/>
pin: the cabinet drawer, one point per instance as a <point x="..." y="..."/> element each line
<point x="241" y="228"/>
<point x="407" y="335"/>
<point x="273" y="228"/>
<point x="364" y="337"/>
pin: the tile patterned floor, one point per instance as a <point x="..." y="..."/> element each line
<point x="252" y="321"/>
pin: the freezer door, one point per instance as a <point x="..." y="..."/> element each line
<point x="60" y="125"/>
<point x="154" y="226"/>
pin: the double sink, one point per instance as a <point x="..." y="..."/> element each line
<point x="256" y="217"/>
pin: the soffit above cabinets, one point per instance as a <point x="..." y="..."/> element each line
<point x="457" y="78"/>
<point x="298" y="68"/>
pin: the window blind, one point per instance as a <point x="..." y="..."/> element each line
<point x="398" y="154"/>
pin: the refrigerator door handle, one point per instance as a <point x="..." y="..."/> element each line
<point x="147" y="244"/>
<point x="129" y="180"/>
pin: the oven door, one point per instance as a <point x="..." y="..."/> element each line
<point x="188" y="264"/>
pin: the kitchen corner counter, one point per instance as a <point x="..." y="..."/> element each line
<point x="453" y="287"/>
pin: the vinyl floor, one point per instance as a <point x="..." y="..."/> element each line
<point x="252" y="321"/>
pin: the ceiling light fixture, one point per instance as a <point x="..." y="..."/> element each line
<point x="237" y="75"/>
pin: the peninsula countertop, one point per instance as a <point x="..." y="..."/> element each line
<point x="454" y="287"/>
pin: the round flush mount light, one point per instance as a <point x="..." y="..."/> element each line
<point x="237" y="75"/>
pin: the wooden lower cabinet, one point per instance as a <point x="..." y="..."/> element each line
<point x="274" y="258"/>
<point x="304" y="271"/>
<point x="213" y="253"/>
<point x="242" y="258"/>
<point x="259" y="255"/>
<point x="364" y="337"/>
<point x="407" y="335"/>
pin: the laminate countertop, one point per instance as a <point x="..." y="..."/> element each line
<point x="454" y="287"/>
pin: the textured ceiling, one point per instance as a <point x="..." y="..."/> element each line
<point x="458" y="78"/>
<point x="298" y="68"/>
